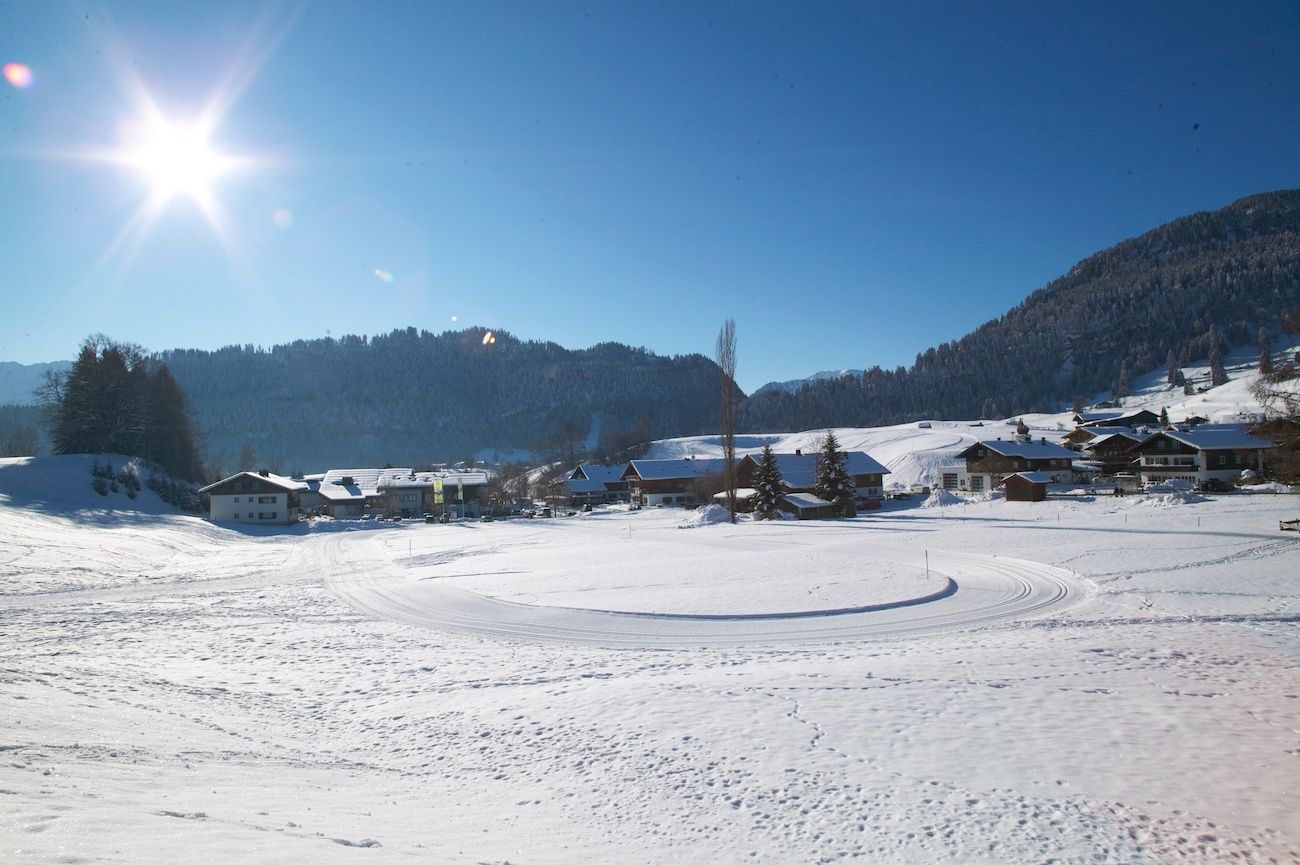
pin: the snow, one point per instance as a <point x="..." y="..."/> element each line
<point x="709" y="515"/>
<point x="1093" y="679"/>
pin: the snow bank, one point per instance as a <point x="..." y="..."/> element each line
<point x="1172" y="499"/>
<point x="1272" y="488"/>
<point x="706" y="516"/>
<point x="940" y="498"/>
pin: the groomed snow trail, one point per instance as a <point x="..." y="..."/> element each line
<point x="981" y="590"/>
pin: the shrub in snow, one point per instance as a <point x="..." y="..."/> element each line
<point x="100" y="485"/>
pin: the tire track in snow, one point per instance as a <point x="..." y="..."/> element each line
<point x="983" y="590"/>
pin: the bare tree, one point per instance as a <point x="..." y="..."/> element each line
<point x="726" y="357"/>
<point x="1278" y="392"/>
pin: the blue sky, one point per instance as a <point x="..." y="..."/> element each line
<point x="853" y="182"/>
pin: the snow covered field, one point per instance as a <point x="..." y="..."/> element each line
<point x="175" y="690"/>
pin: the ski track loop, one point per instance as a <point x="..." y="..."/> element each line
<point x="983" y="590"/>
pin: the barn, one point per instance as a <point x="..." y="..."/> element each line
<point x="1027" y="486"/>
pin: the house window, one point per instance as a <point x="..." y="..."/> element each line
<point x="236" y="516"/>
<point x="1161" y="444"/>
<point x="1222" y="460"/>
<point x="236" y="499"/>
<point x="266" y="516"/>
<point x="266" y="500"/>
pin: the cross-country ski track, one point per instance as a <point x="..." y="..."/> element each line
<point x="979" y="590"/>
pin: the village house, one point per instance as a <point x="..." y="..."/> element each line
<point x="989" y="462"/>
<point x="1117" y="417"/>
<point x="1080" y="438"/>
<point x="799" y="473"/>
<point x="404" y="492"/>
<point x="664" y="483"/>
<point x="593" y="484"/>
<point x="254" y="497"/>
<point x="1202" y="455"/>
<point x="1112" y="451"/>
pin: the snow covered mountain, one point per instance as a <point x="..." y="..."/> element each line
<point x="795" y="383"/>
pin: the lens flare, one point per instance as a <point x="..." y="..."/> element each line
<point x="383" y="276"/>
<point x="489" y="338"/>
<point x="455" y="319"/>
<point x="282" y="217"/>
<point x="18" y="74"/>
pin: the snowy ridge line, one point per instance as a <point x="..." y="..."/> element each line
<point x="988" y="589"/>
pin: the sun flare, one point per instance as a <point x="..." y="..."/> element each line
<point x="176" y="159"/>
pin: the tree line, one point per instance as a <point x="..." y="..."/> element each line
<point x="1180" y="291"/>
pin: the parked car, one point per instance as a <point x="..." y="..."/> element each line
<point x="430" y="518"/>
<point x="486" y="518"/>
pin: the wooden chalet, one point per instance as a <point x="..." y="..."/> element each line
<point x="1117" y="417"/>
<point x="1112" y="450"/>
<point x="1080" y="437"/>
<point x="667" y="483"/>
<point x="989" y="462"/>
<point x="593" y="484"/>
<point x="1027" y="486"/>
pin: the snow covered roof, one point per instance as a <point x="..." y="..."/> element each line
<point x="280" y="481"/>
<point x="663" y="470"/>
<point x="800" y="470"/>
<point x="599" y="473"/>
<point x="1127" y="435"/>
<point x="1205" y="438"/>
<point x="1034" y="450"/>
<point x="1033" y="477"/>
<point x="743" y="494"/>
<point x="806" y="500"/>
<point x="1102" y="431"/>
<point x="376" y="482"/>
<point x="1115" y="417"/>
<point x="584" y="485"/>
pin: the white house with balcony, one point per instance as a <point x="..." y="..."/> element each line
<point x="254" y="497"/>
<point x="1206" y="453"/>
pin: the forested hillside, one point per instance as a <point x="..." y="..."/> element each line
<point x="413" y="396"/>
<point x="1168" y="294"/>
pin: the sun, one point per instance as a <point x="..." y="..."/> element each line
<point x="176" y="159"/>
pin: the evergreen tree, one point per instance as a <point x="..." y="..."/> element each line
<point x="1171" y="376"/>
<point x="1164" y="416"/>
<point x="1265" y="354"/>
<point x="1120" y="388"/>
<point x="116" y="401"/>
<point x="834" y="484"/>
<point x="767" y="485"/>
<point x="1218" y="375"/>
